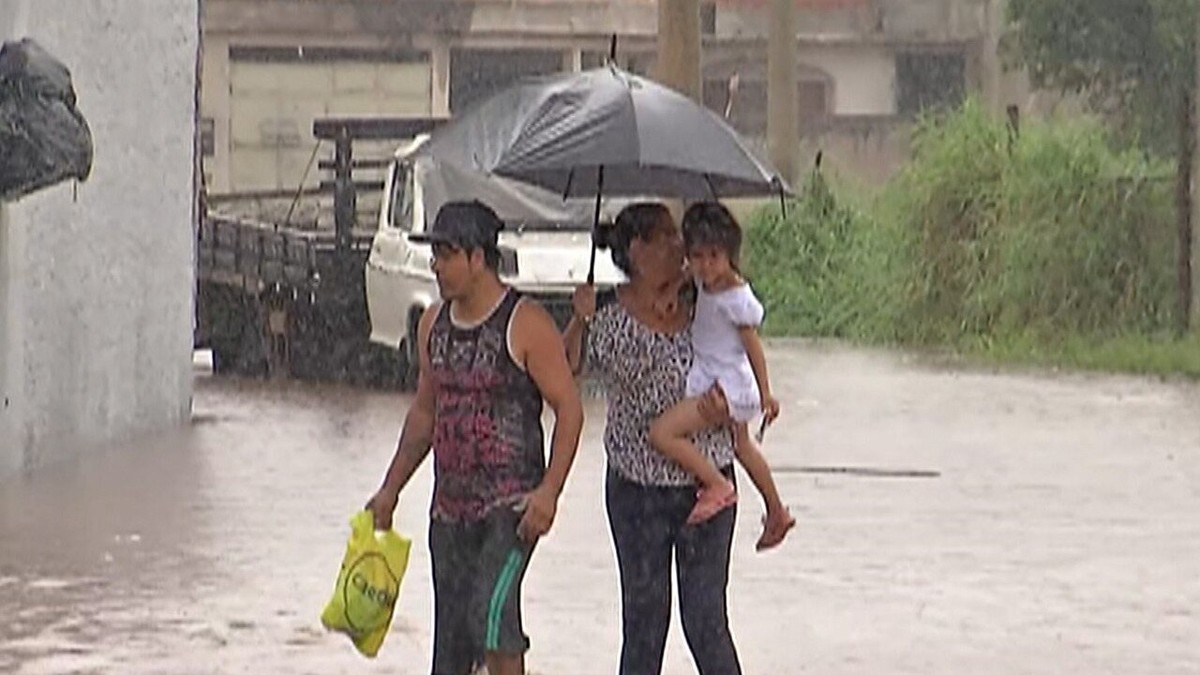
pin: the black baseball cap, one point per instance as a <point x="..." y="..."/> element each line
<point x="463" y="224"/>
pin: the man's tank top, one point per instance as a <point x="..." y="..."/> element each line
<point x="487" y="439"/>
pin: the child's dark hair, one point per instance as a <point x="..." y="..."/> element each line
<point x="711" y="224"/>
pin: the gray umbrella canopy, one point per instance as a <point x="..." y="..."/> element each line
<point x="558" y="132"/>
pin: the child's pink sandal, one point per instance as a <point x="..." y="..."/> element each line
<point x="711" y="502"/>
<point x="775" y="530"/>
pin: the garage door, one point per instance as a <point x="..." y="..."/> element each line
<point x="274" y="103"/>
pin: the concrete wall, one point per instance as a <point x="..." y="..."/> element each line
<point x="861" y="76"/>
<point x="96" y="280"/>
<point x="864" y="76"/>
<point x="863" y="151"/>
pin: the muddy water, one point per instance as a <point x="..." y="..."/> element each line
<point x="951" y="522"/>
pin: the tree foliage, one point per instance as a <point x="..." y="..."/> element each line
<point x="1132" y="60"/>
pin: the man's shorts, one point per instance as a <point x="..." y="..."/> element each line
<point x="477" y="572"/>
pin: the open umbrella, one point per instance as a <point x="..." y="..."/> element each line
<point x="604" y="131"/>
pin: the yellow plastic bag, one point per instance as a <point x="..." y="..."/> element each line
<point x="367" y="585"/>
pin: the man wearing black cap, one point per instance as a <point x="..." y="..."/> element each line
<point x="488" y="359"/>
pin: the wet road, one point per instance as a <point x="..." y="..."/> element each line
<point x="1004" y="524"/>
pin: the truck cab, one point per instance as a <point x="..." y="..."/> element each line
<point x="545" y="248"/>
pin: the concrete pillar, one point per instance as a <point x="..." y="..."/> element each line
<point x="14" y="450"/>
<point x="14" y="19"/>
<point x="989" y="58"/>
<point x="439" y="62"/>
<point x="783" y="135"/>
<point x="573" y="60"/>
<point x="9" y="461"/>
<point x="14" y="24"/>
<point x="679" y="46"/>
<point x="96" y="279"/>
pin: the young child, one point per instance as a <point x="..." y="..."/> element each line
<point x="727" y="352"/>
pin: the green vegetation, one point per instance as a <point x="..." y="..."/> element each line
<point x="1051" y="248"/>
<point x="1132" y="60"/>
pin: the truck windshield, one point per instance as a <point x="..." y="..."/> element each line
<point x="402" y="197"/>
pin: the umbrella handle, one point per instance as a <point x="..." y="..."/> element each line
<point x="591" y="277"/>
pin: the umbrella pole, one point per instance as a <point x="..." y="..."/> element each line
<point x="591" y="278"/>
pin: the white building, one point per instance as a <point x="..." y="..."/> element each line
<point x="271" y="66"/>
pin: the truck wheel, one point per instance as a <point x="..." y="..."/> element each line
<point x="376" y="366"/>
<point x="410" y="365"/>
<point x="225" y="356"/>
<point x="238" y="347"/>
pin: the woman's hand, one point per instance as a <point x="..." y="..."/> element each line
<point x="583" y="302"/>
<point x="713" y="407"/>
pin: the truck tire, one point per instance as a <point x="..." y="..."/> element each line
<point x="410" y="365"/>
<point x="234" y="321"/>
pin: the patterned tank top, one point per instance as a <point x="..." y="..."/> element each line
<point x="487" y="436"/>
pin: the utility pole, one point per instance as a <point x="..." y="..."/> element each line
<point x="1184" y="205"/>
<point x="993" y="27"/>
<point x="679" y="46"/>
<point x="1192" y="250"/>
<point x="783" y="119"/>
<point x="679" y="58"/>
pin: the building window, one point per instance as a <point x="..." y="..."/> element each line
<point x="744" y="107"/>
<point x="476" y="74"/>
<point x="708" y="18"/>
<point x="747" y="112"/>
<point x="929" y="81"/>
<point x="208" y="137"/>
<point x="637" y="63"/>
<point x="812" y="102"/>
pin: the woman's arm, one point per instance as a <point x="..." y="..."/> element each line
<point x="583" y="302"/>
<point x="573" y="342"/>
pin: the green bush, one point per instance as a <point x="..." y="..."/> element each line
<point x="820" y="269"/>
<point x="1053" y="233"/>
<point x="982" y="241"/>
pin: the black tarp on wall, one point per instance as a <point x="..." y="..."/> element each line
<point x="44" y="139"/>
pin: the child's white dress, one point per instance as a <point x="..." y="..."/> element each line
<point x="718" y="352"/>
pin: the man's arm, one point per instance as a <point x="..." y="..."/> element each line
<point x="537" y="344"/>
<point x="416" y="435"/>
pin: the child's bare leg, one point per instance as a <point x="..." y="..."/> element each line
<point x="671" y="435"/>
<point x="778" y="520"/>
<point x="757" y="468"/>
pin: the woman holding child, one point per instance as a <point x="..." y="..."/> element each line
<point x="640" y="344"/>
